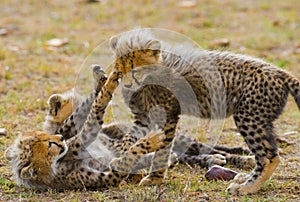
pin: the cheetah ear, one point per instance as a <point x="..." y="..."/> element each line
<point x="153" y="45"/>
<point x="11" y="152"/>
<point x="55" y="99"/>
<point x="113" y="42"/>
<point x="55" y="102"/>
<point x="28" y="172"/>
<point x="8" y="154"/>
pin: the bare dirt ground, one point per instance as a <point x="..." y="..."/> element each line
<point x="30" y="71"/>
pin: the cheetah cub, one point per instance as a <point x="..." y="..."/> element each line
<point x="40" y="160"/>
<point x="185" y="149"/>
<point x="224" y="84"/>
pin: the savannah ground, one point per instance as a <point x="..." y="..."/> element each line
<point x="31" y="71"/>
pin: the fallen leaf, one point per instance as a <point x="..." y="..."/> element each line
<point x="56" y="42"/>
<point x="223" y="42"/>
<point x="13" y="48"/>
<point x="193" y="193"/>
<point x="94" y="1"/>
<point x="3" y="32"/>
<point x="12" y="27"/>
<point x="284" y="141"/>
<point x="3" y="131"/>
<point x="187" y="4"/>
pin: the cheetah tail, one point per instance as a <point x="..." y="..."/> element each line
<point x="297" y="99"/>
<point x="293" y="85"/>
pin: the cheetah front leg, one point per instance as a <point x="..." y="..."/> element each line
<point x="74" y="123"/>
<point x="262" y="143"/>
<point x="150" y="143"/>
<point x="193" y="152"/>
<point x="93" y="124"/>
<point x="160" y="162"/>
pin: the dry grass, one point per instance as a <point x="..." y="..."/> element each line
<point x="30" y="72"/>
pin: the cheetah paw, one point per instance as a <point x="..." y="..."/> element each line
<point x="117" y="164"/>
<point x="116" y="75"/>
<point x="173" y="158"/>
<point x="241" y="178"/>
<point x="149" y="180"/>
<point x="97" y="70"/>
<point x="114" y="163"/>
<point x="155" y="139"/>
<point x="234" y="189"/>
<point x="99" y="76"/>
<point x="248" y="162"/>
<point x="55" y="103"/>
<point x="239" y="185"/>
<point x="216" y="159"/>
<point x="241" y="189"/>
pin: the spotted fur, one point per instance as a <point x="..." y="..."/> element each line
<point x="41" y="160"/>
<point x="185" y="149"/>
<point x="225" y="84"/>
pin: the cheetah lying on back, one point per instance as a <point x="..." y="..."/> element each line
<point x="186" y="149"/>
<point x="41" y="160"/>
<point x="224" y="84"/>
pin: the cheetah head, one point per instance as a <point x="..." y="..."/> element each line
<point x="60" y="107"/>
<point x="135" y="49"/>
<point x="34" y="155"/>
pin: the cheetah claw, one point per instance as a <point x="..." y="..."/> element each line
<point x="149" y="180"/>
<point x="241" y="178"/>
<point x="216" y="159"/>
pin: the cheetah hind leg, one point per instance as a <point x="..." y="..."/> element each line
<point x="203" y="160"/>
<point x="158" y="168"/>
<point x="266" y="155"/>
<point x="243" y="183"/>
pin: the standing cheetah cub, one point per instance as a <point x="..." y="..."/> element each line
<point x="252" y="91"/>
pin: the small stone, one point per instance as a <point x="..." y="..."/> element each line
<point x="13" y="48"/>
<point x="3" y="32"/>
<point x="12" y="27"/>
<point x="3" y="131"/>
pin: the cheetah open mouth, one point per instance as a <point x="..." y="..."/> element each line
<point x="63" y="149"/>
